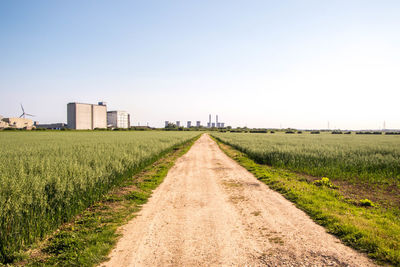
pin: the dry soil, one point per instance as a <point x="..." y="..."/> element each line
<point x="209" y="211"/>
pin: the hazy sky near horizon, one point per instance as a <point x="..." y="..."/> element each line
<point x="254" y="63"/>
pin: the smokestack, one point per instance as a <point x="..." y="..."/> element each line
<point x="209" y="118"/>
<point x="216" y="119"/>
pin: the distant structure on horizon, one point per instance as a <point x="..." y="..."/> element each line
<point x="189" y="124"/>
<point x="82" y="116"/>
<point x="216" y="124"/>
<point x="51" y="126"/>
<point x="16" y="123"/>
<point x="118" y="119"/>
<point x="179" y="124"/>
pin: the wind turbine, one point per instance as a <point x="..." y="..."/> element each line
<point x="25" y="114"/>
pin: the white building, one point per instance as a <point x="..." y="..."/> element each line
<point x="118" y="119"/>
<point x="87" y="116"/>
<point x="178" y="123"/>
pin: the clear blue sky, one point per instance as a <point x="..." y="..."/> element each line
<point x="256" y="63"/>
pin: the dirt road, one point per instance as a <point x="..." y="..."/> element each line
<point x="209" y="211"/>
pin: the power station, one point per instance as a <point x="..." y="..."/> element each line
<point x="210" y="123"/>
<point x="215" y="124"/>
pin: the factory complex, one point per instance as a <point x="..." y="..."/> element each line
<point x="118" y="119"/>
<point x="82" y="116"/>
<point x="20" y="122"/>
<point x="210" y="124"/>
<point x="16" y="123"/>
<point x="215" y="124"/>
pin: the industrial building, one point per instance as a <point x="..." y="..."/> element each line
<point x="17" y="123"/>
<point x="52" y="126"/>
<point x="87" y="116"/>
<point x="3" y="124"/>
<point x="118" y="119"/>
<point x="189" y="124"/>
<point x="216" y="124"/>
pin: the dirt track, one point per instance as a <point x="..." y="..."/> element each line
<point x="209" y="211"/>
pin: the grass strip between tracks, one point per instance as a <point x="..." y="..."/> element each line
<point x="373" y="230"/>
<point x="90" y="236"/>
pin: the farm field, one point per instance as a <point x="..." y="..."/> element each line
<point x="360" y="203"/>
<point x="356" y="158"/>
<point x="48" y="177"/>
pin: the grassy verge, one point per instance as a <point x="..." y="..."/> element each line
<point x="90" y="236"/>
<point x="373" y="230"/>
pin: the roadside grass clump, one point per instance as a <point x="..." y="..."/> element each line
<point x="324" y="181"/>
<point x="48" y="177"/>
<point x="138" y="197"/>
<point x="367" y="203"/>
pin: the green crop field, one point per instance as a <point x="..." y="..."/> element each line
<point x="48" y="177"/>
<point x="356" y="158"/>
<point x="358" y="197"/>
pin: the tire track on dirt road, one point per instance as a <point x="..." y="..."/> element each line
<point x="209" y="211"/>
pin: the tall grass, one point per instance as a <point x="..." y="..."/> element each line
<point x="358" y="158"/>
<point x="47" y="177"/>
